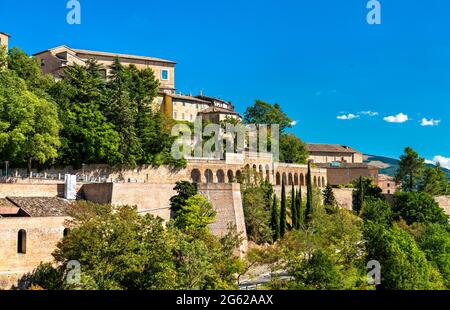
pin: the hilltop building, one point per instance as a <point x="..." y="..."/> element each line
<point x="330" y="153"/>
<point x="54" y="60"/>
<point x="178" y="106"/>
<point x="387" y="184"/>
<point x="343" y="163"/>
<point x="4" y="40"/>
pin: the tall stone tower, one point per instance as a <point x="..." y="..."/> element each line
<point x="4" y="40"/>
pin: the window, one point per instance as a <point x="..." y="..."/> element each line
<point x="174" y="115"/>
<point x="164" y="74"/>
<point x="65" y="232"/>
<point x="389" y="185"/>
<point x="182" y="116"/>
<point x="22" y="242"/>
<point x="42" y="62"/>
<point x="184" y="104"/>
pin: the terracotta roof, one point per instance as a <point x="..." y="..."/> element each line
<point x="218" y="110"/>
<point x="8" y="208"/>
<point x="190" y="98"/>
<point x="107" y="54"/>
<point x="345" y="166"/>
<point x="330" y="148"/>
<point x="42" y="206"/>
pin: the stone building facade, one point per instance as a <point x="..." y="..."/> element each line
<point x="4" y="40"/>
<point x="387" y="184"/>
<point x="54" y="60"/>
<point x="331" y="153"/>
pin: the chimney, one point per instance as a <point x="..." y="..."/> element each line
<point x="70" y="187"/>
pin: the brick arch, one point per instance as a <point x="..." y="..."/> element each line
<point x="230" y="176"/>
<point x="209" y="177"/>
<point x="196" y="176"/>
<point x="323" y="182"/>
<point x="290" y="179"/>
<point x="315" y="181"/>
<point x="278" y="179"/>
<point x="283" y="178"/>
<point x="267" y="173"/>
<point x="220" y="176"/>
<point x="302" y="179"/>
<point x="295" y="178"/>
<point x="239" y="176"/>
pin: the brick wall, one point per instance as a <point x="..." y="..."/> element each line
<point x="42" y="235"/>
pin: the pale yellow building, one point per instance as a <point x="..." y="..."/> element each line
<point x="178" y="106"/>
<point x="54" y="60"/>
<point x="4" y="40"/>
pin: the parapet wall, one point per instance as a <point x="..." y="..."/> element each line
<point x="444" y="202"/>
<point x="227" y="201"/>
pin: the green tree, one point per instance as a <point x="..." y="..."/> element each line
<point x="257" y="213"/>
<point x="328" y="196"/>
<point x="275" y="219"/>
<point x="404" y="265"/>
<point x="265" y="113"/>
<point x="29" y="126"/>
<point x="283" y="209"/>
<point x="122" y="112"/>
<point x="309" y="194"/>
<point x="299" y="207"/>
<point x="294" y="216"/>
<point x="29" y="69"/>
<point x="417" y="207"/>
<point x="377" y="210"/>
<point x="410" y="170"/>
<point x="185" y="190"/>
<point x="319" y="273"/>
<point x="292" y="149"/>
<point x="434" y="181"/>
<point x="364" y="189"/>
<point x="195" y="216"/>
<point x="141" y="254"/>
<point x="86" y="137"/>
<point x="434" y="241"/>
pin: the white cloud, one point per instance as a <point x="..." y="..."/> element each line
<point x="444" y="161"/>
<point x="294" y="123"/>
<point x="347" y="116"/>
<point x="429" y="122"/>
<point x="399" y="118"/>
<point x="369" y="113"/>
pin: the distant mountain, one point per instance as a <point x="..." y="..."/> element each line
<point x="389" y="165"/>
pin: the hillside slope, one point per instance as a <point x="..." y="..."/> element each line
<point x="388" y="165"/>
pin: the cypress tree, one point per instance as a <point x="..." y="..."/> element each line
<point x="360" y="195"/>
<point x="309" y="194"/>
<point x="283" y="210"/>
<point x="298" y="206"/>
<point x="293" y="208"/>
<point x="275" y="220"/>
<point x="328" y="195"/>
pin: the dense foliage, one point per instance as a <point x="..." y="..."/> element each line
<point x="83" y="118"/>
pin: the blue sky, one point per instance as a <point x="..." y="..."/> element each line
<point x="318" y="59"/>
